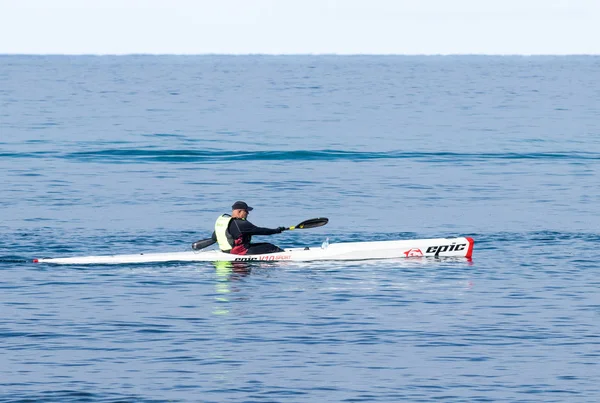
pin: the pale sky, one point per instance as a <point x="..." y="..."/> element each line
<point x="529" y="27"/>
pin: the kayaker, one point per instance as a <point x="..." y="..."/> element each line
<point x="234" y="233"/>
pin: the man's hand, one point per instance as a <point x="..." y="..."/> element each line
<point x="281" y="229"/>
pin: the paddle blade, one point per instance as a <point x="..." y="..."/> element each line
<point x="312" y="223"/>
<point x="203" y="243"/>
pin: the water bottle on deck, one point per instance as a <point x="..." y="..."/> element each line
<point x="325" y="244"/>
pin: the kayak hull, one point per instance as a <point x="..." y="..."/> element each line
<point x="436" y="247"/>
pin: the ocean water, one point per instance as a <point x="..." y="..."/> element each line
<point x="103" y="155"/>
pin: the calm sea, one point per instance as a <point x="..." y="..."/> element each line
<point x="103" y="155"/>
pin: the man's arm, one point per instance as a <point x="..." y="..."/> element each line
<point x="247" y="228"/>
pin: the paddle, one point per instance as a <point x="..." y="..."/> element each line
<point x="310" y="223"/>
<point x="203" y="243"/>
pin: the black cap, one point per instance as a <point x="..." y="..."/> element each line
<point x="240" y="205"/>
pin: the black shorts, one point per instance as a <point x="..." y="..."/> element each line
<point x="263" y="247"/>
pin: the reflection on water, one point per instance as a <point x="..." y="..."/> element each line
<point x="226" y="273"/>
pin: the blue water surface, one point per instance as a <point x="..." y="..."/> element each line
<point x="103" y="155"/>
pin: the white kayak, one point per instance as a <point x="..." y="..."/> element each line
<point x="438" y="247"/>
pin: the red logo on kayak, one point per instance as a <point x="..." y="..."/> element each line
<point x="263" y="257"/>
<point x="276" y="257"/>
<point x="413" y="252"/>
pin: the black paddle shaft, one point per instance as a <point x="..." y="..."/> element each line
<point x="203" y="243"/>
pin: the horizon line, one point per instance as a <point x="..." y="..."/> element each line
<point x="303" y="54"/>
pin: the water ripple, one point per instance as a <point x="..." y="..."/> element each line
<point x="122" y="155"/>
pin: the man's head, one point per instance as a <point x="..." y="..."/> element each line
<point x="240" y="209"/>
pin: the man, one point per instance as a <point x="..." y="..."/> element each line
<point x="234" y="233"/>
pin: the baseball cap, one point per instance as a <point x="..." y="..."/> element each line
<point x="240" y="205"/>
